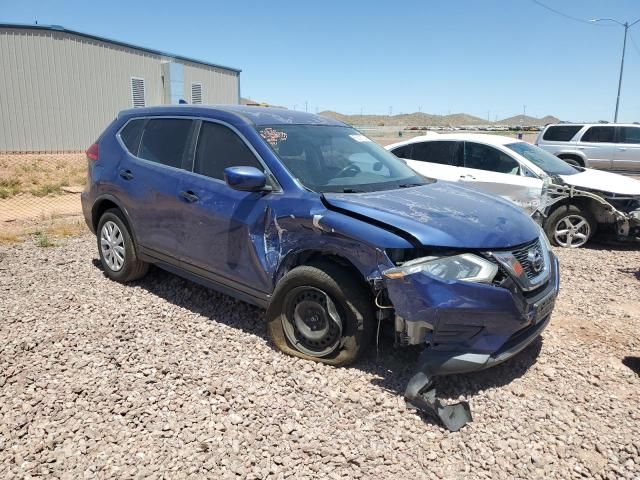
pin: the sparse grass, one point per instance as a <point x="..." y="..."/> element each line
<point x="9" y="238"/>
<point x="47" y="189"/>
<point x="45" y="232"/>
<point x="42" y="240"/>
<point x="40" y="175"/>
<point x="9" y="187"/>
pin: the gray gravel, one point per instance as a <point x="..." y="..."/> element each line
<point x="166" y="378"/>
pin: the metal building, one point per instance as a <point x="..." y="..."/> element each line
<point x="59" y="88"/>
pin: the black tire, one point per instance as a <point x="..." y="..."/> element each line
<point x="554" y="222"/>
<point x="132" y="268"/>
<point x="572" y="161"/>
<point x="353" y="303"/>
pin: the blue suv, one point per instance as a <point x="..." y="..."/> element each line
<point x="306" y="217"/>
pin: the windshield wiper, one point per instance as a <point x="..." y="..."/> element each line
<point x="352" y="190"/>
<point x="409" y="185"/>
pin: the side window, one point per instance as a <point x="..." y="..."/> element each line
<point x="485" y="157"/>
<point x="598" y="135"/>
<point x="165" y="141"/>
<point x="444" y="153"/>
<point x="402" y="152"/>
<point x="218" y="148"/>
<point x="630" y="135"/>
<point x="130" y="135"/>
<point x="561" y="133"/>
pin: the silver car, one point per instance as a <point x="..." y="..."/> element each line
<point x="604" y="146"/>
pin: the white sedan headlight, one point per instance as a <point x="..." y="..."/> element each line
<point x="467" y="267"/>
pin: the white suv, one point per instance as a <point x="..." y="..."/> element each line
<point x="607" y="146"/>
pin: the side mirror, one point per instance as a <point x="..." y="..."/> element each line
<point x="246" y="179"/>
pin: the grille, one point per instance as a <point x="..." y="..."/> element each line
<point x="522" y="254"/>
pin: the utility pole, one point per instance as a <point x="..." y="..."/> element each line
<point x="306" y="106"/>
<point x="624" y="47"/>
<point x="626" y="26"/>
<point x="524" y="113"/>
<point x="390" y="111"/>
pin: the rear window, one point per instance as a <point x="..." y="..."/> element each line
<point x="599" y="135"/>
<point x="630" y="135"/>
<point x="444" y="153"/>
<point x="165" y="141"/>
<point x="130" y="135"/>
<point x="402" y="152"/>
<point x="561" y="133"/>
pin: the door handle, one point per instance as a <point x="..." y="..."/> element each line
<point x="189" y="196"/>
<point x="622" y="149"/>
<point x="467" y="177"/>
<point x="126" y="174"/>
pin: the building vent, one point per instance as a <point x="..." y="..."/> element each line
<point x="137" y="92"/>
<point x="196" y="93"/>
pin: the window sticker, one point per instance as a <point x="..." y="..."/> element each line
<point x="360" y="138"/>
<point x="272" y="136"/>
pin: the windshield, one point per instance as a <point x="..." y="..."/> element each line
<point x="551" y="164"/>
<point x="338" y="159"/>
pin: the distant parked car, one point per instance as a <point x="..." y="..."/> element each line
<point x="573" y="201"/>
<point x="594" y="145"/>
<point x="308" y="218"/>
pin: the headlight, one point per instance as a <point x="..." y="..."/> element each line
<point x="543" y="239"/>
<point x="467" y="267"/>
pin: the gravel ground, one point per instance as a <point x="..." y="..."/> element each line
<point x="166" y="378"/>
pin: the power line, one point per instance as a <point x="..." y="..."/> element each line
<point x="565" y="15"/>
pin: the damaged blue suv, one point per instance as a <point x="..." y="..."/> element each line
<point x="306" y="217"/>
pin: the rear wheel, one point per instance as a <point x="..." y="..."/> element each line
<point x="321" y="312"/>
<point x="570" y="226"/>
<point x="572" y="161"/>
<point x="117" y="252"/>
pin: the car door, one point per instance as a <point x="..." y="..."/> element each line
<point x="433" y="158"/>
<point x="494" y="171"/>
<point x="598" y="145"/>
<point x="219" y="222"/>
<point x="627" y="152"/>
<point x="148" y="176"/>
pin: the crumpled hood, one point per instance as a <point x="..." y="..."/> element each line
<point x="443" y="214"/>
<point x="604" y="182"/>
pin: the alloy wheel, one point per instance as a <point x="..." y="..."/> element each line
<point x="572" y="231"/>
<point x="112" y="246"/>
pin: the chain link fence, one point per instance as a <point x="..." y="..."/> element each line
<point x="39" y="188"/>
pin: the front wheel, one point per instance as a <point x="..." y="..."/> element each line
<point x="321" y="312"/>
<point x="570" y="226"/>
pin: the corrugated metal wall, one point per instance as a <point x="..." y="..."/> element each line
<point x="218" y="85"/>
<point x="58" y="91"/>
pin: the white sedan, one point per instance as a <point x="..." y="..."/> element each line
<point x="575" y="201"/>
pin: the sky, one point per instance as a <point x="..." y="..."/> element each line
<point x="488" y="58"/>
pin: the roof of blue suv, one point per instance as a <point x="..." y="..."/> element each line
<point x="251" y="114"/>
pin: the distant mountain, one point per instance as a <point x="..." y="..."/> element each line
<point x="527" y="120"/>
<point x="419" y="119"/>
<point x="416" y="119"/>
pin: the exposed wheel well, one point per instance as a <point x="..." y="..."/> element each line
<point x="99" y="209"/>
<point x="311" y="257"/>
<point x="598" y="210"/>
<point x="577" y="158"/>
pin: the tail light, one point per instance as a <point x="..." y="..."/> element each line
<point x="92" y="152"/>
